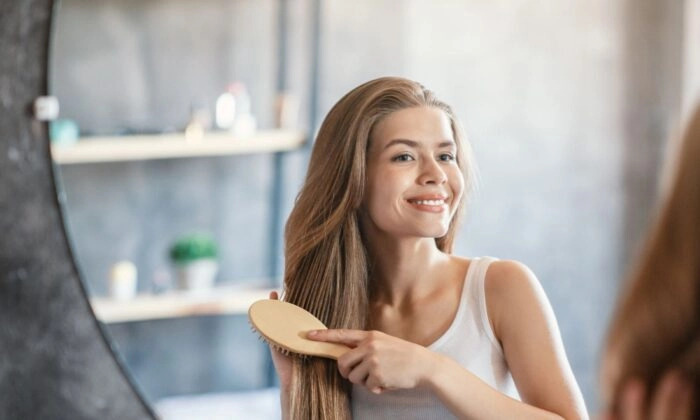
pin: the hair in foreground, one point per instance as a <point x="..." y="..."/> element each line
<point x="327" y="268"/>
<point x="657" y="323"/>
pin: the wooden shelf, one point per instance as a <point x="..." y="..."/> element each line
<point x="176" y="304"/>
<point x="167" y="146"/>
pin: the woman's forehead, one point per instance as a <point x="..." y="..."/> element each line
<point x="425" y="125"/>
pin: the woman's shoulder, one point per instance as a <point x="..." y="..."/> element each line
<point x="512" y="288"/>
<point x="501" y="276"/>
<point x="510" y="279"/>
<point x="505" y="272"/>
<point x="500" y="273"/>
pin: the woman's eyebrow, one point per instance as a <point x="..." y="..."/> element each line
<point x="447" y="143"/>
<point x="410" y="143"/>
<point x="415" y="144"/>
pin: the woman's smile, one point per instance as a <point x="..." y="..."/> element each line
<point x="429" y="203"/>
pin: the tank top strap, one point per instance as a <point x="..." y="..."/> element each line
<point x="477" y="296"/>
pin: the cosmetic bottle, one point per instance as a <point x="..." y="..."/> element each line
<point x="123" y="280"/>
<point x="244" y="123"/>
<point x="225" y="114"/>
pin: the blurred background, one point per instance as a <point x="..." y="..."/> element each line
<point x="185" y="128"/>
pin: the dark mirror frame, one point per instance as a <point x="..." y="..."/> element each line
<point x="55" y="359"/>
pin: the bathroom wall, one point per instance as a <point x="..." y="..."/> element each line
<point x="567" y="107"/>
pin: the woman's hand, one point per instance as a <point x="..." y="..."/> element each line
<point x="672" y="400"/>
<point x="379" y="361"/>
<point x="282" y="362"/>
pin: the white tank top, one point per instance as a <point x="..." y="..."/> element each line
<point x="469" y="341"/>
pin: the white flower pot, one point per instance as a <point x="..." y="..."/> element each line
<point x="197" y="275"/>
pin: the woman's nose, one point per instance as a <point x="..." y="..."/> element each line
<point x="432" y="173"/>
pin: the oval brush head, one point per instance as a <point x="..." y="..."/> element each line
<point x="285" y="325"/>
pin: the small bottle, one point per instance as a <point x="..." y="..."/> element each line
<point x="200" y="122"/>
<point x="226" y="109"/>
<point x="244" y="123"/>
<point x="123" y="280"/>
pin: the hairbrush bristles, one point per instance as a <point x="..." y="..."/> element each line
<point x="272" y="345"/>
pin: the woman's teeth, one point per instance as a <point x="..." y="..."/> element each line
<point x="430" y="202"/>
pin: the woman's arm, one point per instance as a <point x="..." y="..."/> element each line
<point x="382" y="363"/>
<point x="524" y="323"/>
<point x="467" y="396"/>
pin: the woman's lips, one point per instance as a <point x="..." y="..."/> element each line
<point x="434" y="204"/>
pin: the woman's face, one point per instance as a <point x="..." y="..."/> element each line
<point x="414" y="185"/>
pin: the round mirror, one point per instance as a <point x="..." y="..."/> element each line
<point x="180" y="148"/>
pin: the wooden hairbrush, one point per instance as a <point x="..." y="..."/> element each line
<point x="284" y="326"/>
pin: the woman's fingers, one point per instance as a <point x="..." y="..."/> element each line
<point x="663" y="400"/>
<point x="374" y="385"/>
<point x="672" y="398"/>
<point x="358" y="375"/>
<point x="361" y="374"/>
<point x="343" y="336"/>
<point x="685" y="402"/>
<point x="632" y="401"/>
<point x="350" y="359"/>
<point x="274" y="295"/>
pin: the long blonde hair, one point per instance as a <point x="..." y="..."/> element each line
<point x="657" y="323"/>
<point x="327" y="269"/>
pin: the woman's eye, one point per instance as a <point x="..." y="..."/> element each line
<point x="447" y="157"/>
<point x="402" y="158"/>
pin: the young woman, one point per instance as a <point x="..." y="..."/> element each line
<point x="368" y="251"/>
<point x="651" y="366"/>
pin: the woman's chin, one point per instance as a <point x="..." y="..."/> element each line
<point x="433" y="233"/>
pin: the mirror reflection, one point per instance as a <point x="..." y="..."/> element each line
<point x="169" y="150"/>
<point x="183" y="140"/>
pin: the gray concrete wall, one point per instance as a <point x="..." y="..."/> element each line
<point x="567" y="105"/>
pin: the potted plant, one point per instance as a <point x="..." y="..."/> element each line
<point x="195" y="260"/>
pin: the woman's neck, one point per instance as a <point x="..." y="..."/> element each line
<point x="404" y="269"/>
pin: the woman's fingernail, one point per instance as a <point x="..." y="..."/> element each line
<point x="312" y="333"/>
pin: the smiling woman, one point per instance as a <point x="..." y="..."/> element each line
<point x="373" y="261"/>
